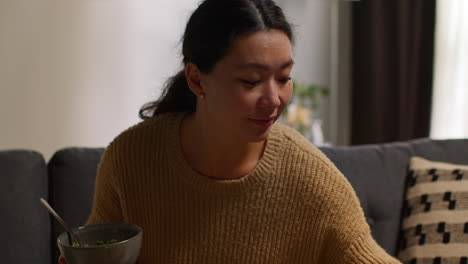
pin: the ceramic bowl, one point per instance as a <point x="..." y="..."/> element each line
<point x="125" y="251"/>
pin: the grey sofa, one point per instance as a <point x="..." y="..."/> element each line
<point x="377" y="172"/>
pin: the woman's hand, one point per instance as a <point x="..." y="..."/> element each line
<point x="61" y="260"/>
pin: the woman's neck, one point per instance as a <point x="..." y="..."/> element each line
<point x="215" y="155"/>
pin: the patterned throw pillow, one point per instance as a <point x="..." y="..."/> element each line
<point x="435" y="214"/>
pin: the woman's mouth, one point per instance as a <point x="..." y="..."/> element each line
<point x="263" y="122"/>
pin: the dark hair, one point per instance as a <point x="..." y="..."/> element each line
<point x="211" y="29"/>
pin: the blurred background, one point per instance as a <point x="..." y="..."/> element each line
<point x="75" y="73"/>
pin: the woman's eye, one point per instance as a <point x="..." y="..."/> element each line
<point x="284" y="80"/>
<point x="250" y="82"/>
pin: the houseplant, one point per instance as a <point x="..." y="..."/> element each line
<point x="305" y="101"/>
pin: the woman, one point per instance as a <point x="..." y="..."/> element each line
<point x="208" y="174"/>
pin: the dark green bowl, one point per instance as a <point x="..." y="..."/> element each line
<point x="125" y="251"/>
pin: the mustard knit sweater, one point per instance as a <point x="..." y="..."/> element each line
<point x="294" y="207"/>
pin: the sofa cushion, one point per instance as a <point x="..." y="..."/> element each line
<point x="72" y="172"/>
<point x="25" y="222"/>
<point x="435" y="223"/>
<point x="378" y="172"/>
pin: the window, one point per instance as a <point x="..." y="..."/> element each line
<point x="450" y="97"/>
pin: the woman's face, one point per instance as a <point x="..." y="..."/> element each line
<point x="250" y="87"/>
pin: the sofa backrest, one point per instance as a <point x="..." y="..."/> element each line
<point x="72" y="172"/>
<point x="25" y="222"/>
<point x="378" y="174"/>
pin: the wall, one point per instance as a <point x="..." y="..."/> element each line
<point x="74" y="73"/>
<point x="322" y="55"/>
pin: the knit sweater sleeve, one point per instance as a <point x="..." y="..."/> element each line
<point x="349" y="239"/>
<point x="106" y="206"/>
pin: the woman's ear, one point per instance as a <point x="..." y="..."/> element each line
<point x="193" y="76"/>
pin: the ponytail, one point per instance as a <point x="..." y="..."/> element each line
<point x="176" y="97"/>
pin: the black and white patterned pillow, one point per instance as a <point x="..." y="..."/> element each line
<point x="435" y="215"/>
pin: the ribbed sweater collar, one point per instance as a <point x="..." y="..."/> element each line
<point x="255" y="179"/>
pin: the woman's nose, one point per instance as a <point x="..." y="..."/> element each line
<point x="270" y="96"/>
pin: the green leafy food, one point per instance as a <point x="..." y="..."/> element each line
<point x="77" y="244"/>
<point x="98" y="242"/>
<point x="106" y="242"/>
